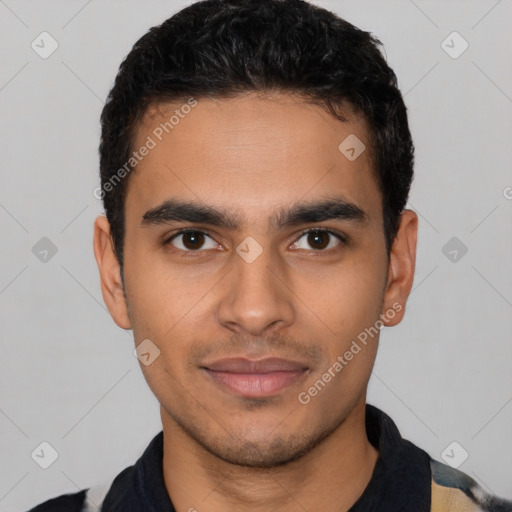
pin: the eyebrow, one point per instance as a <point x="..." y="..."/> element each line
<point x="332" y="208"/>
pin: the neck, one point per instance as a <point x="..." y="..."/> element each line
<point x="331" y="477"/>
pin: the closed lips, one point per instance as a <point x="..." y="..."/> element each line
<point x="255" y="379"/>
<point x="262" y="366"/>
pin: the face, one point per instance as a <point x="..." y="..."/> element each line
<point x="255" y="304"/>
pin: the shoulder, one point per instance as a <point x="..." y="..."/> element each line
<point x="453" y="490"/>
<point x="86" y="500"/>
<point x="64" y="503"/>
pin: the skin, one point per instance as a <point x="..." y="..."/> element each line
<point x="254" y="155"/>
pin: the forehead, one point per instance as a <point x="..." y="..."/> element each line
<point x="253" y="153"/>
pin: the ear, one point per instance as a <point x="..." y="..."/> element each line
<point x="110" y="273"/>
<point x="402" y="262"/>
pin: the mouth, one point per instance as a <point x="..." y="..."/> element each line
<point x="255" y="378"/>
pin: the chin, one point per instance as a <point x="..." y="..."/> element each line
<point x="263" y="451"/>
<point x="260" y="455"/>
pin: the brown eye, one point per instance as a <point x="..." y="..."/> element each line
<point x="192" y="240"/>
<point x="319" y="239"/>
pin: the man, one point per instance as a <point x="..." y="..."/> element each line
<point x="255" y="164"/>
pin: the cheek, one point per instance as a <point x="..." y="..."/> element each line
<point x="347" y="297"/>
<point x="169" y="348"/>
<point x="160" y="295"/>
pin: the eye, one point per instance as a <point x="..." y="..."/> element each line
<point x="319" y="239"/>
<point x="192" y="240"/>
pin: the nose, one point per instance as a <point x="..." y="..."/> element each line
<point x="256" y="296"/>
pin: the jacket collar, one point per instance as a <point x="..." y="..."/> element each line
<point x="401" y="480"/>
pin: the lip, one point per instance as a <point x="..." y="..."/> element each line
<point x="255" y="378"/>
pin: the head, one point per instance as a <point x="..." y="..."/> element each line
<point x="247" y="123"/>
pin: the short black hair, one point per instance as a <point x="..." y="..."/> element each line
<point x="226" y="48"/>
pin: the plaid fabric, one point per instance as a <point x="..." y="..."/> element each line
<point x="453" y="490"/>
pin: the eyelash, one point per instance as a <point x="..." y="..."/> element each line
<point x="193" y="254"/>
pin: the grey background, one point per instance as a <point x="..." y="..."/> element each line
<point x="68" y="374"/>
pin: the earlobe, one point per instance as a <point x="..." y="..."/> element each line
<point x="402" y="262"/>
<point x="110" y="273"/>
